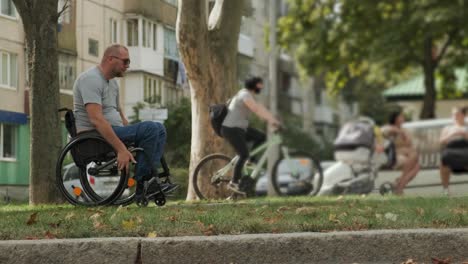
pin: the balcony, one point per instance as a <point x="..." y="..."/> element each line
<point x="156" y="10"/>
<point x="145" y="40"/>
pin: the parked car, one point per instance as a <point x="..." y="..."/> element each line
<point x="103" y="186"/>
<point x="287" y="184"/>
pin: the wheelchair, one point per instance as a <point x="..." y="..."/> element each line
<point x="87" y="173"/>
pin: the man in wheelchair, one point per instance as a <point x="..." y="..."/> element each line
<point x="97" y="107"/>
<point x="454" y="146"/>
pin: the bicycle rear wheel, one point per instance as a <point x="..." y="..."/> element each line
<point x="301" y="174"/>
<point x="204" y="182"/>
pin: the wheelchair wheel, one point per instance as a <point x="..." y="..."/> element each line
<point x="100" y="180"/>
<point x="68" y="178"/>
<point x="300" y="175"/>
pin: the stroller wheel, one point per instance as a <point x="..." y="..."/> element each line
<point x="386" y="188"/>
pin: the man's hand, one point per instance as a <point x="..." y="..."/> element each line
<point x="123" y="160"/>
<point x="124" y="121"/>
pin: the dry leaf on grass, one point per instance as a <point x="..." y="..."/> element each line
<point x="391" y="216"/>
<point x="95" y="216"/>
<point x="69" y="216"/>
<point x="441" y="261"/>
<point x="152" y="234"/>
<point x="32" y="219"/>
<point x="172" y="218"/>
<point x="128" y="225"/>
<point x="305" y="210"/>
<point x="49" y="235"/>
<point x="409" y="261"/>
<point x="55" y="225"/>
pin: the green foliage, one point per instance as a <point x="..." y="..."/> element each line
<point x="179" y="131"/>
<point x="361" y="38"/>
<point x="294" y="137"/>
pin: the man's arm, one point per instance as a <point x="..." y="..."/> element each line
<point x="261" y="111"/>
<point x="105" y="129"/>
<point x="122" y="115"/>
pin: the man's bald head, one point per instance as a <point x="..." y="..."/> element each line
<point x="114" y="50"/>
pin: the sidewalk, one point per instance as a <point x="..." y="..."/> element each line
<point x="382" y="246"/>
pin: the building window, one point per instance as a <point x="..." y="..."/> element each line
<point x="170" y="44"/>
<point x="65" y="17"/>
<point x="66" y="72"/>
<point x="152" y="90"/>
<point x="7" y="8"/>
<point x="149" y="34"/>
<point x="8" y="70"/>
<point x="93" y="47"/>
<point x="114" y="31"/>
<point x="132" y="32"/>
<point x="7" y="141"/>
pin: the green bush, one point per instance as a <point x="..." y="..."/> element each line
<point x="179" y="133"/>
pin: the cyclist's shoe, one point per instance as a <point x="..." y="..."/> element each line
<point x="234" y="187"/>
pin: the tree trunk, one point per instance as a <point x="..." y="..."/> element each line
<point x="40" y="26"/>
<point x="429" y="65"/>
<point x="210" y="59"/>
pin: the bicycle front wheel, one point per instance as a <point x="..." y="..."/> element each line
<point x="300" y="174"/>
<point x="211" y="176"/>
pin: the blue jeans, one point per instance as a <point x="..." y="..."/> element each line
<point x="151" y="136"/>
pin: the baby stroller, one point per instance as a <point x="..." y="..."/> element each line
<point x="357" y="163"/>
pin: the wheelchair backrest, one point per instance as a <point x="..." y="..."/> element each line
<point x="91" y="147"/>
<point x="69" y="121"/>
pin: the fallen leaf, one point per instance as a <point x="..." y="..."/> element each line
<point x="409" y="261"/>
<point x="152" y="234"/>
<point x="117" y="211"/>
<point x="69" y="216"/>
<point x="209" y="231"/>
<point x="282" y="208"/>
<point x="138" y="219"/>
<point x="332" y="218"/>
<point x="391" y="216"/>
<point x="339" y="197"/>
<point x="441" y="261"/>
<point x="378" y="216"/>
<point x="95" y="216"/>
<point x="420" y="211"/>
<point x="305" y="210"/>
<point x="49" y="235"/>
<point x="31" y="238"/>
<point x="128" y="225"/>
<point x="172" y="218"/>
<point x="32" y="219"/>
<point x="97" y="224"/>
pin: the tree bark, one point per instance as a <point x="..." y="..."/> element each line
<point x="429" y="66"/>
<point x="40" y="26"/>
<point x="210" y="58"/>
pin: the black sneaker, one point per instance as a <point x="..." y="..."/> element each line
<point x="151" y="190"/>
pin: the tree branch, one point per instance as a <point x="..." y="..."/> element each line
<point x="450" y="38"/>
<point x="216" y="15"/>
<point x="65" y="7"/>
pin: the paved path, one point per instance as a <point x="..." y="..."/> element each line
<point x="426" y="177"/>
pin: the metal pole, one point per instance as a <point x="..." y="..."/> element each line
<point x="273" y="69"/>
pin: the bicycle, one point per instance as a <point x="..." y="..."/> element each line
<point x="294" y="173"/>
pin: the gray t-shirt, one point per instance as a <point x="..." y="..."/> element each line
<point x="92" y="87"/>
<point x="238" y="114"/>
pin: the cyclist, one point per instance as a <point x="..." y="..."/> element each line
<point x="96" y="107"/>
<point x="235" y="128"/>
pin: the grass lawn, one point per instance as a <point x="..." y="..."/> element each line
<point x="261" y="215"/>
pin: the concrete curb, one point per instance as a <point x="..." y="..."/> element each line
<point x="381" y="246"/>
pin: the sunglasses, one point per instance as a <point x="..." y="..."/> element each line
<point x="125" y="61"/>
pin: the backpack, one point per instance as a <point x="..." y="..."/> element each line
<point x="218" y="113"/>
<point x="355" y="134"/>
